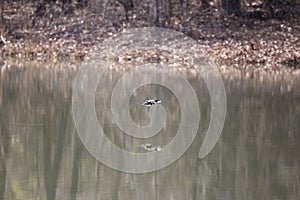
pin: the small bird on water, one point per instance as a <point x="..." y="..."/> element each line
<point x="127" y="5"/>
<point x="151" y="102"/>
<point x="150" y="147"/>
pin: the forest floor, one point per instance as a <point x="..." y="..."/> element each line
<point x="243" y="43"/>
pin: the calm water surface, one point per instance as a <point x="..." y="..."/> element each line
<point x="257" y="156"/>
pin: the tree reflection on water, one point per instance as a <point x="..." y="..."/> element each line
<point x="42" y="157"/>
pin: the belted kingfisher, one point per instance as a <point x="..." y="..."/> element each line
<point x="151" y="102"/>
<point x="150" y="147"/>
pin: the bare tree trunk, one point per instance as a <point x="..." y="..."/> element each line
<point x="2" y="23"/>
<point x="2" y="12"/>
<point x="231" y="6"/>
<point x="81" y="3"/>
<point x="156" y="12"/>
<point x="127" y="5"/>
<point x="205" y="3"/>
<point x="67" y="6"/>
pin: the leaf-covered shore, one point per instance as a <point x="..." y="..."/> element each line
<point x="234" y="42"/>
